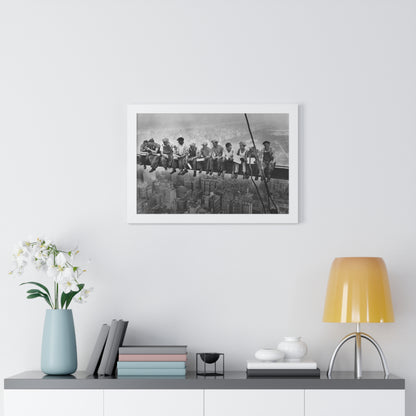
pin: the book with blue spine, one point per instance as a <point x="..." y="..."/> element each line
<point x="151" y="371"/>
<point x="150" y="364"/>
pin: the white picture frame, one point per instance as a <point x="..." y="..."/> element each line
<point x="134" y="113"/>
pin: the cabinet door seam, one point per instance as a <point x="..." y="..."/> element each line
<point x="304" y="402"/>
<point x="203" y="402"/>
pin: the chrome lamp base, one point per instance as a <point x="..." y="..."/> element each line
<point x="358" y="336"/>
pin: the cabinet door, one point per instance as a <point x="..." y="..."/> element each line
<point x="153" y="402"/>
<point x="53" y="402"/>
<point x="254" y="402"/>
<point x="354" y="402"/>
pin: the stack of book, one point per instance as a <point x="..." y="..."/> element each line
<point x="104" y="355"/>
<point x="299" y="369"/>
<point x="152" y="361"/>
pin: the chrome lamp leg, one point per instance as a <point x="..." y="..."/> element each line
<point x="357" y="361"/>
<point x="358" y="336"/>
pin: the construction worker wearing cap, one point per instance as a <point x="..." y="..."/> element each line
<point x="216" y="160"/>
<point x="191" y="158"/>
<point x="167" y="153"/>
<point x="228" y="158"/>
<point x="144" y="154"/>
<point x="154" y="154"/>
<point x="180" y="153"/>
<point x="253" y="161"/>
<point x="240" y="161"/>
<point x="267" y="159"/>
<point x="203" y="156"/>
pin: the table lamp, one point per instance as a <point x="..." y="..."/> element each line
<point x="358" y="292"/>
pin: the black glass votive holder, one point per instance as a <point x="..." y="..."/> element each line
<point x="210" y="364"/>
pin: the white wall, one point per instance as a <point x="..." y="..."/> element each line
<point x="67" y="72"/>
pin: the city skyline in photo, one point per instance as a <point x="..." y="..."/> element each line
<point x="163" y="193"/>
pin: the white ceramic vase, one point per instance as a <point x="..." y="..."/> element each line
<point x="293" y="348"/>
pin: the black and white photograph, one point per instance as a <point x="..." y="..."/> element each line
<point x="213" y="166"/>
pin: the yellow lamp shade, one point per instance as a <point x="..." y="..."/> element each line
<point x="358" y="291"/>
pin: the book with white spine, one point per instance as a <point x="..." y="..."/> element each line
<point x="281" y="365"/>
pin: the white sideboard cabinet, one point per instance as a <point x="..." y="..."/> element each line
<point x="34" y="394"/>
<point x="43" y="402"/>
<point x="154" y="402"/>
<point x="254" y="402"/>
<point x="354" y="402"/>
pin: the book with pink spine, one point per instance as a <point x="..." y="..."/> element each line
<point x="152" y="357"/>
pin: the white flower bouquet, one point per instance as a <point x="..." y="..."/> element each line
<point x="59" y="265"/>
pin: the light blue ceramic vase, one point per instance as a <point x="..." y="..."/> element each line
<point x="59" y="348"/>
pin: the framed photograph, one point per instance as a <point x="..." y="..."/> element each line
<point x="212" y="164"/>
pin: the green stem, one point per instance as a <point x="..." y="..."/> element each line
<point x="56" y="296"/>
<point x="55" y="285"/>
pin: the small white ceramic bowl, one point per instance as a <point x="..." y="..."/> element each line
<point x="269" y="354"/>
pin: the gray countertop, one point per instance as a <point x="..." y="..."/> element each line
<point x="231" y="380"/>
